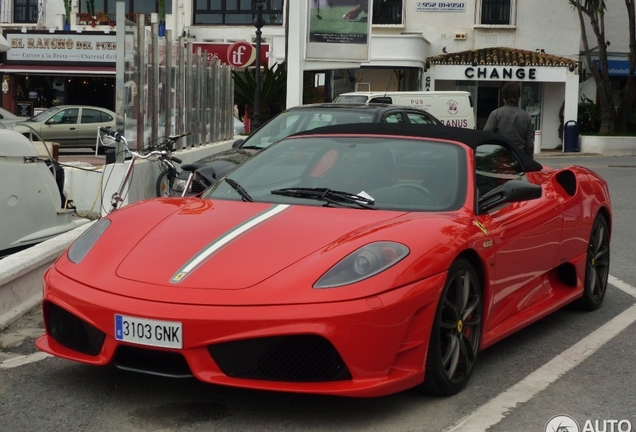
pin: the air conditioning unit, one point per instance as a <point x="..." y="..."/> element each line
<point x="460" y="36"/>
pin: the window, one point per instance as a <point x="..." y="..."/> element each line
<point x="394" y="118"/>
<point x="67" y="116"/>
<point x="25" y="11"/>
<point x="496" y="11"/>
<point x="495" y="165"/>
<point x="387" y="12"/>
<point x="95" y="116"/>
<point x="236" y="12"/>
<point x="131" y="7"/>
<point x="418" y="118"/>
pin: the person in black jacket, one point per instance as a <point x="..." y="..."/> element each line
<point x="511" y="121"/>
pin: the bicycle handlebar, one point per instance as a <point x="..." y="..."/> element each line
<point x="177" y="137"/>
<point x="111" y="133"/>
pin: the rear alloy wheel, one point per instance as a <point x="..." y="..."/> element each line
<point x="456" y="334"/>
<point x="596" y="266"/>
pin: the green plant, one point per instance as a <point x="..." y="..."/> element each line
<point x="162" y="11"/>
<point x="589" y="116"/>
<point x="68" y="8"/>
<point x="273" y="89"/>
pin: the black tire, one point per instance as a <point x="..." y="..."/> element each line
<point x="165" y="181"/>
<point x="456" y="334"/>
<point x="597" y="264"/>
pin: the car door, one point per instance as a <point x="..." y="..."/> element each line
<point x="90" y="121"/>
<point x="525" y="236"/>
<point x="61" y="127"/>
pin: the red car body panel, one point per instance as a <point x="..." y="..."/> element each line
<point x="260" y="283"/>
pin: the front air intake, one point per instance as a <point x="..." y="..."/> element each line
<point x="74" y="333"/>
<point x="296" y="358"/>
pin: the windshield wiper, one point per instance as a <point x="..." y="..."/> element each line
<point x="329" y="196"/>
<point x="238" y="188"/>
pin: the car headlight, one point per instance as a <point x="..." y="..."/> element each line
<point x="85" y="242"/>
<point x="178" y="185"/>
<point x="367" y="261"/>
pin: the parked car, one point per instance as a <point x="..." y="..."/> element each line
<point x="351" y="260"/>
<point x="70" y="125"/>
<point x="294" y="120"/>
<point x="239" y="127"/>
<point x="7" y="118"/>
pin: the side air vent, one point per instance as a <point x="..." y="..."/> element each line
<point x="567" y="180"/>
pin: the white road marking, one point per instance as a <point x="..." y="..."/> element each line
<point x="623" y="286"/>
<point x="23" y="360"/>
<point x="499" y="407"/>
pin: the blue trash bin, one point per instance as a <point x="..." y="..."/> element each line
<point x="571" y="141"/>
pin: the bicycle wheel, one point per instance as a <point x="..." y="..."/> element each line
<point x="165" y="182"/>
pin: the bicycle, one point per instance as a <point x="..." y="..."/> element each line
<point x="163" y="155"/>
<point x="169" y="171"/>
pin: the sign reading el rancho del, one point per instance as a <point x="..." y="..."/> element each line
<point x="62" y="48"/>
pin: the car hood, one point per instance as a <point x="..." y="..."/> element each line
<point x="227" y="252"/>
<point x="238" y="245"/>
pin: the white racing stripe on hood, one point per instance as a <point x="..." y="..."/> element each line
<point x="225" y="239"/>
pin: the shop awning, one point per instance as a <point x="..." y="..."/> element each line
<point x="501" y="56"/>
<point x="59" y="70"/>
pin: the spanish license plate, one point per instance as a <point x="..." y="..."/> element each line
<point x="166" y="334"/>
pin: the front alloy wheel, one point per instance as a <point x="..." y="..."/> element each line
<point x="456" y="334"/>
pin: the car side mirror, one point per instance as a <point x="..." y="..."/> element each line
<point x="237" y="143"/>
<point x="509" y="192"/>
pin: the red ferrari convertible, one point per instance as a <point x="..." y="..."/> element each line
<point x="356" y="260"/>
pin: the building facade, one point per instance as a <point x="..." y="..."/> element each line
<point x="474" y="45"/>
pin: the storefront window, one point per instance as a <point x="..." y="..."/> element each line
<point x="145" y="7"/>
<point x="531" y="102"/>
<point x="236" y="12"/>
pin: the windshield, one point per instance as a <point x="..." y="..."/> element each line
<point x="392" y="173"/>
<point x="45" y="114"/>
<point x="290" y="122"/>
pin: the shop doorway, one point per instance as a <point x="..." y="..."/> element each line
<point x="487" y="102"/>
<point x="45" y="91"/>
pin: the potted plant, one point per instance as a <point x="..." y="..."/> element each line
<point x="85" y="18"/>
<point x="68" y="8"/>
<point x="102" y="17"/>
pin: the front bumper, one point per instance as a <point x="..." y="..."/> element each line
<point x="363" y="347"/>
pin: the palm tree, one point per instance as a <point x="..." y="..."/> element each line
<point x="273" y="89"/>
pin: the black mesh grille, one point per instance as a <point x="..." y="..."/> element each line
<point x="298" y="358"/>
<point x="73" y="333"/>
<point x="151" y="361"/>
<point x="197" y="187"/>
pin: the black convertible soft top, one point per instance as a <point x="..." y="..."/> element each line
<point x="470" y="137"/>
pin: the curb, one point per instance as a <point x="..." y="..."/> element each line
<point x="21" y="275"/>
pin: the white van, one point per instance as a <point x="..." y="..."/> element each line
<point x="453" y="108"/>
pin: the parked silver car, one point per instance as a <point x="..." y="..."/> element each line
<point x="70" y="125"/>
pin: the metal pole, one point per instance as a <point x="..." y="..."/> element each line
<point x="258" y="23"/>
